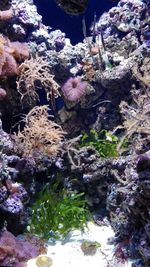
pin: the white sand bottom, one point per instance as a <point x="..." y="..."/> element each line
<point x="69" y="254"/>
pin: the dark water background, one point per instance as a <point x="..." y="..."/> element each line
<point x="71" y="25"/>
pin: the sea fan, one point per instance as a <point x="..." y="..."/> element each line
<point x="74" y="89"/>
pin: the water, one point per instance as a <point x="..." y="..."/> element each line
<point x="71" y="25"/>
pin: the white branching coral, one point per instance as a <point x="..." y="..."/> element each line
<point x="41" y="136"/>
<point x="136" y="119"/>
<point x="34" y="74"/>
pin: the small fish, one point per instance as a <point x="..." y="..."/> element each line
<point x="72" y="7"/>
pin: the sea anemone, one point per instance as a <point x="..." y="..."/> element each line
<point x="74" y="89"/>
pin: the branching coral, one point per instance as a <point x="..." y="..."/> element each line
<point x="34" y="74"/>
<point x="137" y="116"/>
<point x="41" y="136"/>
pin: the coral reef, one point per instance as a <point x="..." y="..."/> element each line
<point x="14" y="252"/>
<point x="136" y="119"/>
<point x="40" y="136"/>
<point x="121" y="185"/>
<point x="122" y="26"/>
<point x="101" y="83"/>
<point x="74" y="89"/>
<point x="132" y="210"/>
<point x="12" y="195"/>
<point x="36" y="71"/>
<point x="10" y="51"/>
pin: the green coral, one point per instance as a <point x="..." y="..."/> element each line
<point x="55" y="213"/>
<point x="105" y="143"/>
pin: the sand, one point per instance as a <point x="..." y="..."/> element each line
<point x="69" y="253"/>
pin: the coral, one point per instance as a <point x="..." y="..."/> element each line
<point x="10" y="67"/>
<point x="10" y="52"/>
<point x="74" y="89"/>
<point x="89" y="72"/>
<point x="32" y="72"/>
<point x="141" y="70"/>
<point x="136" y="117"/>
<point x="118" y="59"/>
<point x="15" y="251"/>
<point x="6" y="15"/>
<point x="40" y="136"/>
<point x="6" y="143"/>
<point x="122" y="26"/>
<point x="2" y="93"/>
<point x="129" y="208"/>
<point x="117" y="77"/>
<point x="13" y="195"/>
<point x="26" y="13"/>
<point x="55" y="40"/>
<point x="19" y="50"/>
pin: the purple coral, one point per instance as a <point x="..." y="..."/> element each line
<point x="74" y="89"/>
<point x="13" y="252"/>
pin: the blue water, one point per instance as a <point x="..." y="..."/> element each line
<point x="71" y="25"/>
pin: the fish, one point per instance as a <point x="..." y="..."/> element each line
<point x="72" y="7"/>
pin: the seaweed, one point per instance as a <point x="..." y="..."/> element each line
<point x="55" y="213"/>
<point x="105" y="144"/>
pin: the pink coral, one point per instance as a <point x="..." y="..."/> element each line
<point x="10" y="52"/>
<point x="74" y="89"/>
<point x="6" y="14"/>
<point x="10" y="66"/>
<point x="2" y="93"/>
<point x="19" y="50"/>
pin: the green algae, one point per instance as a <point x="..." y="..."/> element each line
<point x="56" y="213"/>
<point x="105" y="143"/>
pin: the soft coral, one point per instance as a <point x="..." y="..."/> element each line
<point x="9" y="53"/>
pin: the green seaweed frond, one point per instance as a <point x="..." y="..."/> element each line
<point x="105" y="143"/>
<point x="55" y="213"/>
